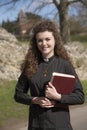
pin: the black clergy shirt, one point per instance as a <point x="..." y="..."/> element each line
<point x="56" y="118"/>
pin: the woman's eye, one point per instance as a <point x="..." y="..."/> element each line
<point x="47" y="39"/>
<point x="39" y="40"/>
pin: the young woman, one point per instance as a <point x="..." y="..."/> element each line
<point x="49" y="110"/>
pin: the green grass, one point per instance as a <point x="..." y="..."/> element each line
<point x="84" y="83"/>
<point x="81" y="38"/>
<point x="23" y="42"/>
<point x="9" y="108"/>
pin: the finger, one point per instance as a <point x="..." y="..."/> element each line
<point x="46" y="99"/>
<point x="47" y="87"/>
<point x="50" y="84"/>
<point x="48" y="106"/>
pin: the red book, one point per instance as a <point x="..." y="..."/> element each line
<point x="64" y="83"/>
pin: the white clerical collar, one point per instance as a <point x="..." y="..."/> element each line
<point x="49" y="59"/>
<point x="46" y="59"/>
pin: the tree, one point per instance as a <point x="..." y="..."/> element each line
<point x="23" y="25"/>
<point x="63" y="18"/>
<point x="83" y="16"/>
<point x="11" y="27"/>
<point x="62" y="8"/>
<point x="75" y="26"/>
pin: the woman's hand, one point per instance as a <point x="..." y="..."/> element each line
<point x="43" y="102"/>
<point x="51" y="92"/>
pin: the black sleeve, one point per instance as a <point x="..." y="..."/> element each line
<point x="21" y="91"/>
<point x="77" y="96"/>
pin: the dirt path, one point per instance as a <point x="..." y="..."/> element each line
<point x="78" y="120"/>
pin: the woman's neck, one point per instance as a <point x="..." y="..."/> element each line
<point x="48" y="56"/>
<point x="46" y="59"/>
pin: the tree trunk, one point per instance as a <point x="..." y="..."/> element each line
<point x="64" y="22"/>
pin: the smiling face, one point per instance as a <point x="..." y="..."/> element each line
<point x="45" y="43"/>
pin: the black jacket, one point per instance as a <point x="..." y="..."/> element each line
<point x="56" y="118"/>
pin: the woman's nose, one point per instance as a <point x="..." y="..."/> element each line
<point x="44" y="42"/>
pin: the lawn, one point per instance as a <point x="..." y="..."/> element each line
<point x="84" y="83"/>
<point x="80" y="38"/>
<point x="8" y="107"/>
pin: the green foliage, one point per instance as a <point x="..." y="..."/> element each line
<point x="80" y="38"/>
<point x="11" y="27"/>
<point x="33" y="16"/>
<point x="75" y="26"/>
<point x="15" y="27"/>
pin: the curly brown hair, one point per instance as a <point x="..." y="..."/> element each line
<point x="33" y="56"/>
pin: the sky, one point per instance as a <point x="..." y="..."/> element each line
<point x="10" y="12"/>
